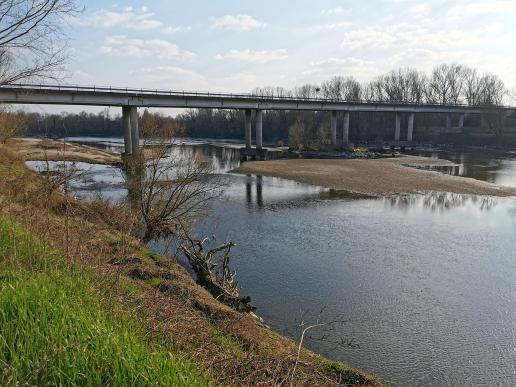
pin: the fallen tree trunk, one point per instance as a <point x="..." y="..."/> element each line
<point x="213" y="272"/>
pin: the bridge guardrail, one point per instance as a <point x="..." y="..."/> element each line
<point x="159" y="92"/>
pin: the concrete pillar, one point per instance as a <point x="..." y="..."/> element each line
<point x="126" y="117"/>
<point x="345" y="129"/>
<point x="448" y="121"/>
<point x="397" y="132"/>
<point x="248" y="129"/>
<point x="410" y="131"/>
<point x="461" y="120"/>
<point x="483" y="120"/>
<point x="135" y="132"/>
<point x="259" y="128"/>
<point x="333" y="128"/>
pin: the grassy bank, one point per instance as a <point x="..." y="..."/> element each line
<point x="81" y="302"/>
<point x="56" y="328"/>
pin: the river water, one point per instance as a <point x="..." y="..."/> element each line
<point x="422" y="288"/>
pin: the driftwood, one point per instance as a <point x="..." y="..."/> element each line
<point x="213" y="272"/>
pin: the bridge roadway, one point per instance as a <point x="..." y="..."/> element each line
<point x="131" y="99"/>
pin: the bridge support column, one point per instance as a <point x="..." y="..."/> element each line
<point x="334" y="128"/>
<point x="410" y="131"/>
<point x="248" y="129"/>
<point x="448" y="121"/>
<point x="259" y="128"/>
<point x="397" y="132"/>
<point x="135" y="132"/>
<point x="345" y="129"/>
<point x="461" y="120"/>
<point x="126" y="117"/>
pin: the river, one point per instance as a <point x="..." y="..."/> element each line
<point x="423" y="286"/>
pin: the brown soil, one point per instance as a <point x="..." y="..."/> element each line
<point x="172" y="308"/>
<point x="51" y="150"/>
<point x="374" y="177"/>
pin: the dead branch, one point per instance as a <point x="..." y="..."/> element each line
<point x="213" y="272"/>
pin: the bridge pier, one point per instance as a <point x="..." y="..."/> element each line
<point x="258" y="153"/>
<point x="410" y="130"/>
<point x="461" y="120"/>
<point x="248" y="128"/>
<point x="334" y="128"/>
<point x="135" y="132"/>
<point x="448" y="121"/>
<point x="397" y="132"/>
<point x="345" y="129"/>
<point x="126" y="117"/>
<point x="259" y="129"/>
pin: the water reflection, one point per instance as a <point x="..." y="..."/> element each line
<point x="493" y="167"/>
<point x="441" y="201"/>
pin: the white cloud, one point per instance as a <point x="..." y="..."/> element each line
<point x="240" y="82"/>
<point x="474" y="8"/>
<point x="410" y="35"/>
<point x="350" y="66"/>
<point x="138" y="19"/>
<point x="420" y="10"/>
<point x="179" y="78"/>
<point x="252" y="56"/>
<point x="174" y="30"/>
<point x="172" y="77"/>
<point x="238" y="23"/>
<point x="336" y="11"/>
<point x="331" y="26"/>
<point x="121" y="45"/>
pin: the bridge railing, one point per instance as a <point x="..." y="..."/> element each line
<point x="262" y="97"/>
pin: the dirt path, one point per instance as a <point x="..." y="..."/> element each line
<point x="51" y="150"/>
<point x="375" y="177"/>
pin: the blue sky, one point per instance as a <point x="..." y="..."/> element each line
<point x="235" y="46"/>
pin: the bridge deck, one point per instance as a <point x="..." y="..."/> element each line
<point x="104" y="96"/>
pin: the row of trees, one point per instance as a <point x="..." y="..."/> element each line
<point x="85" y="124"/>
<point x="447" y="84"/>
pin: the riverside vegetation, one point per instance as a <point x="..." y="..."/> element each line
<point x="83" y="302"/>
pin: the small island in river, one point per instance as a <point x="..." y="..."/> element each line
<point x="379" y="177"/>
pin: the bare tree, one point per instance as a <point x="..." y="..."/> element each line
<point x="306" y="91"/>
<point x="342" y="88"/>
<point x="270" y="91"/>
<point x="374" y="91"/>
<point x="493" y="90"/>
<point x="32" y="41"/>
<point x="472" y="87"/>
<point x="446" y="84"/>
<point x="11" y="124"/>
<point x="167" y="189"/>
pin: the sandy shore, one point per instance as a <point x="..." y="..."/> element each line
<point x="374" y="177"/>
<point x="44" y="149"/>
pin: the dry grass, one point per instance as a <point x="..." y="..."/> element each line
<point x="172" y="308"/>
<point x="51" y="150"/>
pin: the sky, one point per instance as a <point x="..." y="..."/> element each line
<point x="235" y="46"/>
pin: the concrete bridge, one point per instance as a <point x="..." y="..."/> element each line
<point x="131" y="99"/>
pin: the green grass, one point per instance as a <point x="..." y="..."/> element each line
<point x="155" y="282"/>
<point x="55" y="327"/>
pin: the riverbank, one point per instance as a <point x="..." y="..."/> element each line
<point x="379" y="177"/>
<point x="51" y="243"/>
<point x="36" y="149"/>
